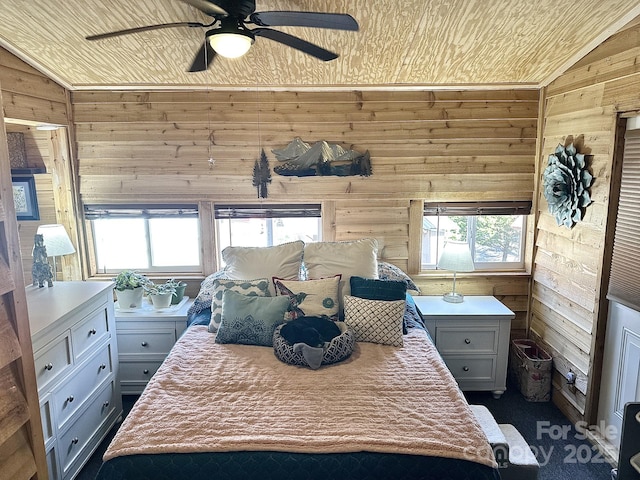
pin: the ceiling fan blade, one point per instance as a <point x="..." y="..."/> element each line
<point x="295" y="42"/>
<point x="336" y="21"/>
<point x="145" y="29"/>
<point x="208" y="7"/>
<point x="203" y="58"/>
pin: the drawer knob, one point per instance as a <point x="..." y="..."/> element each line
<point x="74" y="441"/>
<point x="102" y="366"/>
<point x="146" y="371"/>
<point x="105" y="404"/>
<point x="70" y="398"/>
<point x="465" y="368"/>
<point x="92" y="331"/>
<point x="467" y="341"/>
<point x="48" y="366"/>
<point x="144" y="344"/>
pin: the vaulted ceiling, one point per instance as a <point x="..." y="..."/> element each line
<point x="400" y="44"/>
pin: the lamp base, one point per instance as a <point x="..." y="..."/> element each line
<point x="453" y="297"/>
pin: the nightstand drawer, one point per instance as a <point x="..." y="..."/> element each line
<point x="135" y="342"/>
<point x="137" y="372"/>
<point x="455" y="340"/>
<point x="472" y="369"/>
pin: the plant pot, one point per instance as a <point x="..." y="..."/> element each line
<point x="160" y="300"/>
<point x="129" y="298"/>
<point x="177" y="298"/>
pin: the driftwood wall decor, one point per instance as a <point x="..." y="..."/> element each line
<point x="322" y="158"/>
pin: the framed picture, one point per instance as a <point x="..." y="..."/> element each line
<point x="24" y="198"/>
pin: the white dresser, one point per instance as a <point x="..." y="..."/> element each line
<point x="145" y="336"/>
<point x="76" y="360"/>
<point x="472" y="337"/>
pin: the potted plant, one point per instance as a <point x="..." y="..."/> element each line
<point x="179" y="286"/>
<point x="129" y="288"/>
<point x="160" y="294"/>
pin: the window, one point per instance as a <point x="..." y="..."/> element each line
<point x="263" y="226"/>
<point x="495" y="232"/>
<point x="147" y="239"/>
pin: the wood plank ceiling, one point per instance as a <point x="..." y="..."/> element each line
<point x="408" y="44"/>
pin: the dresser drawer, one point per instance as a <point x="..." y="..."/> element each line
<point x="78" y="388"/>
<point x="88" y="332"/>
<point x="457" y="340"/>
<point x="472" y="369"/>
<point x="81" y="432"/>
<point x="45" y="417"/>
<point x="137" y="372"/>
<point x="52" y="464"/>
<point x="52" y="360"/>
<point x="136" y="342"/>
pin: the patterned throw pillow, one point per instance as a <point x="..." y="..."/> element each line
<point x="375" y="321"/>
<point x="250" y="320"/>
<point x="388" y="271"/>
<point x="255" y="288"/>
<point x="310" y="297"/>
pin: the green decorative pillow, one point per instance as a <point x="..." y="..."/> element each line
<point x="256" y="288"/>
<point x="375" y="321"/>
<point x="374" y="289"/>
<point x="311" y="297"/>
<point x="250" y="320"/>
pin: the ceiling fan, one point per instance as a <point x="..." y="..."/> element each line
<point x="231" y="38"/>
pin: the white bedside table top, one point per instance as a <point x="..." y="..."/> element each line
<point x="147" y="310"/>
<point x="434" y="305"/>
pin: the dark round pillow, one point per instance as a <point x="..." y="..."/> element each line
<point x="338" y="349"/>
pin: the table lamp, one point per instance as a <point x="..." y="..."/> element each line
<point x="57" y="242"/>
<point x="456" y="257"/>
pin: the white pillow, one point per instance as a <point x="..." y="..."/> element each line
<point x="375" y="321"/>
<point x="356" y="258"/>
<point x="282" y="261"/>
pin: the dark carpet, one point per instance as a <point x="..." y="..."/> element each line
<point x="558" y="445"/>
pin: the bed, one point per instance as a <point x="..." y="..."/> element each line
<point x="235" y="411"/>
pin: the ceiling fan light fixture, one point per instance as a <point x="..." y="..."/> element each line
<point x="231" y="45"/>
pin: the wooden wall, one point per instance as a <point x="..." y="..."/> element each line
<point x="31" y="98"/>
<point x="433" y="145"/>
<point x="28" y="95"/>
<point x="570" y="265"/>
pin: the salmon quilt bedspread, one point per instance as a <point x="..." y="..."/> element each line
<point x="208" y="397"/>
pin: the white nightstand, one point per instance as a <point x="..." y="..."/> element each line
<point x="145" y="336"/>
<point x="472" y="337"/>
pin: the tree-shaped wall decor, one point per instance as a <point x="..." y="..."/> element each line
<point x="262" y="175"/>
<point x="566" y="180"/>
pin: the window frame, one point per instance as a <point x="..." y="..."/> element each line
<point x="475" y="210"/>
<point x="264" y="211"/>
<point x="146" y="212"/>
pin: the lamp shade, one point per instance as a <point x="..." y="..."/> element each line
<point x="231" y="45"/>
<point x="456" y="257"/>
<point x="56" y="240"/>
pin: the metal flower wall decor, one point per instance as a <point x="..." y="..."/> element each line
<point x="565" y="182"/>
